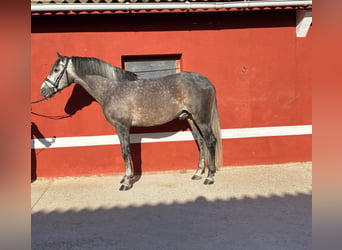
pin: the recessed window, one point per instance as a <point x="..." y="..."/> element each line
<point x="152" y="66"/>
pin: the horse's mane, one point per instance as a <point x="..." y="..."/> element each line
<point x="95" y="66"/>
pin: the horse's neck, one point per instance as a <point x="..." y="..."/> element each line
<point x="97" y="86"/>
<point x="100" y="81"/>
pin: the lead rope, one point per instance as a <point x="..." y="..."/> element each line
<point x="40" y="100"/>
<point x="54" y="117"/>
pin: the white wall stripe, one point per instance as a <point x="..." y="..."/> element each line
<point x="101" y="140"/>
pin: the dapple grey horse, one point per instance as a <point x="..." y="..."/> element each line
<point x="127" y="101"/>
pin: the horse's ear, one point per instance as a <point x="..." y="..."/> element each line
<point x="60" y="56"/>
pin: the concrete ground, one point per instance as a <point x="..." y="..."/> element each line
<point x="256" y="207"/>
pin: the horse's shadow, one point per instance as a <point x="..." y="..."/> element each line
<point x="80" y="98"/>
<point x="36" y="133"/>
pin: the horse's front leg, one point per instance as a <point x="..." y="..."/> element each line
<point x="123" y="133"/>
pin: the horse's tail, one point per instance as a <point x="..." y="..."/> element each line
<point x="215" y="126"/>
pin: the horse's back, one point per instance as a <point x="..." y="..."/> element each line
<point x="190" y="78"/>
<point x="181" y="82"/>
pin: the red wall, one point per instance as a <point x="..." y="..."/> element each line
<point x="261" y="71"/>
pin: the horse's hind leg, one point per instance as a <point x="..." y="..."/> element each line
<point x="210" y="141"/>
<point x="123" y="133"/>
<point x="200" y="142"/>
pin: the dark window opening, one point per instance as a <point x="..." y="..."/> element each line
<point x="152" y="66"/>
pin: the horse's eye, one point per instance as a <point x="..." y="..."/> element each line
<point x="55" y="70"/>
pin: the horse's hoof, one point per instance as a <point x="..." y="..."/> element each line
<point x="208" y="182"/>
<point x="125" y="188"/>
<point x="196" y="177"/>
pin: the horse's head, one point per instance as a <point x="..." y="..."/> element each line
<point x="58" y="77"/>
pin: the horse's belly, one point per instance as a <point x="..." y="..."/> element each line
<point x="153" y="117"/>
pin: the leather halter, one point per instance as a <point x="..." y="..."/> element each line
<point x="56" y="83"/>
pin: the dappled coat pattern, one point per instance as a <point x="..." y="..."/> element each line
<point x="129" y="101"/>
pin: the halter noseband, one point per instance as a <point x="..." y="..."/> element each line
<point x="56" y="83"/>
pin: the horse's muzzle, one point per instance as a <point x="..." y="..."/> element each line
<point x="47" y="92"/>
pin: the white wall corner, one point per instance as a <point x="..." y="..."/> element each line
<point x="304" y="20"/>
